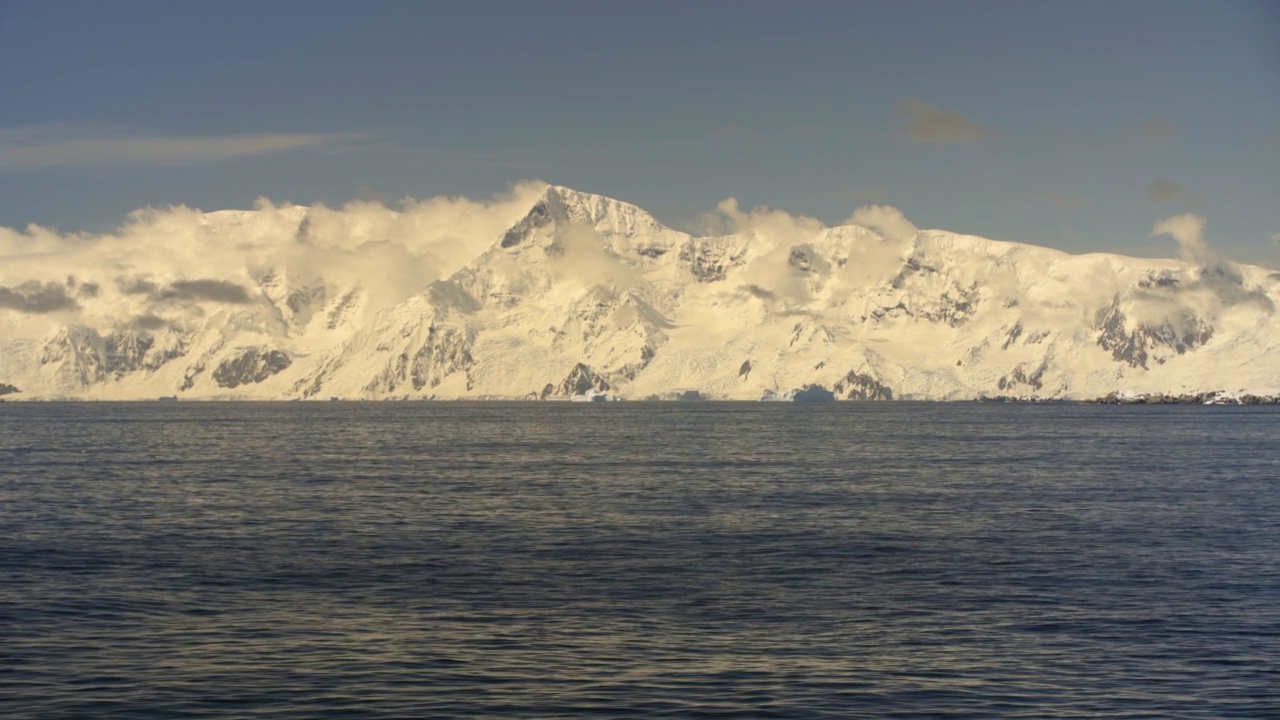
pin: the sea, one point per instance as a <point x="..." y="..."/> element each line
<point x="639" y="560"/>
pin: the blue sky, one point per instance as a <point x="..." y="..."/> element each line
<point x="1076" y="125"/>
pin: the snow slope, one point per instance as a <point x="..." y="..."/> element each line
<point x="582" y="294"/>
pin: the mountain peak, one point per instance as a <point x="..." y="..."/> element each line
<point x="587" y="286"/>
<point x="559" y="205"/>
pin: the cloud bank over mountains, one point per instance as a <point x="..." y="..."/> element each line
<point x="163" y="260"/>
<point x="548" y="292"/>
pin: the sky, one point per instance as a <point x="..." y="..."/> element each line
<point x="1079" y="125"/>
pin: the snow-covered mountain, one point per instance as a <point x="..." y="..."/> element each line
<point x="558" y="293"/>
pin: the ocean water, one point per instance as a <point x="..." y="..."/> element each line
<point x="682" y="560"/>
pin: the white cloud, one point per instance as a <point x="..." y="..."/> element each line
<point x="1222" y="278"/>
<point x="1188" y="231"/>
<point x="930" y="124"/>
<point x="884" y="219"/>
<point x="583" y="261"/>
<point x="175" y="254"/>
<point x="773" y="233"/>
<point x="764" y="223"/>
<point x="64" y="146"/>
<point x="872" y="262"/>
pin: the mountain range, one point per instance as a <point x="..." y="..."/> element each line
<point x="580" y="295"/>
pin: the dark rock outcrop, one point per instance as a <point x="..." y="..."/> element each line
<point x="250" y="367"/>
<point x="580" y="380"/>
<point x="860" y="386"/>
<point x="539" y="216"/>
<point x="446" y="351"/>
<point x="1136" y="347"/>
<point x="709" y="261"/>
<point x="1019" y="376"/>
<point x="1206" y="398"/>
<point x="813" y="393"/>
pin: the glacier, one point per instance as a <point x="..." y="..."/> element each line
<point x="556" y="294"/>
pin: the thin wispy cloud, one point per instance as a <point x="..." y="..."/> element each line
<point x="806" y="129"/>
<point x="1156" y="132"/>
<point x="62" y="146"/>
<point x="931" y="124"/>
<point x="731" y="130"/>
<point x="1164" y="190"/>
<point x="1275" y="239"/>
<point x="870" y="196"/>
<point x="1063" y="200"/>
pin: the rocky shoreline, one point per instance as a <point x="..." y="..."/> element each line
<point x="1209" y="398"/>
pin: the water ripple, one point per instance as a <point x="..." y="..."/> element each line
<point x="639" y="561"/>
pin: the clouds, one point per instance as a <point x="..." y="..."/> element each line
<point x="166" y="263"/>
<point x="884" y="219"/>
<point x="773" y="233"/>
<point x="1156" y="132"/>
<point x="208" y="289"/>
<point x="582" y="260"/>
<point x="1164" y="190"/>
<point x="1063" y="200"/>
<point x="1188" y="231"/>
<point x="1223" y="280"/>
<point x="66" y="146"/>
<point x="930" y="124"/>
<point x="33" y="297"/>
<point x="149" y="322"/>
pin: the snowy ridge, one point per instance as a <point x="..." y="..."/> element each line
<point x="559" y="294"/>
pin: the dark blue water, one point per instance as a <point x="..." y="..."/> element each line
<point x="639" y="560"/>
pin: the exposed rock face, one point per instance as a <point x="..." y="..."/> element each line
<point x="7" y="389"/>
<point x="1158" y="279"/>
<point x="813" y="393"/>
<point x="341" y="312"/>
<point x="806" y="394"/>
<point x="1209" y="398"/>
<point x="860" y="386"/>
<point x="1019" y="376"/>
<point x="710" y="260"/>
<point x="75" y="350"/>
<point x="250" y="367"/>
<point x="954" y="307"/>
<point x="1143" y="343"/>
<point x="84" y="358"/>
<point x="539" y="217"/>
<point x="304" y="302"/>
<point x="580" y="381"/>
<point x="125" y="352"/>
<point x="569" y="294"/>
<point x="802" y="258"/>
<point x="446" y="351"/>
<point x="1015" y="332"/>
